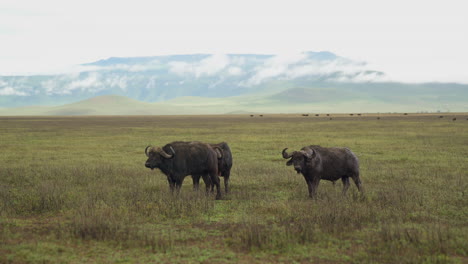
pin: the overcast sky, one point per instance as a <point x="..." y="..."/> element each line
<point x="410" y="41"/>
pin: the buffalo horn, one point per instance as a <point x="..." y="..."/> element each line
<point x="219" y="152"/>
<point x="285" y="154"/>
<point x="146" y="150"/>
<point x="165" y="154"/>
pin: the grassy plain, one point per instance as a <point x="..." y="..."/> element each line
<point x="75" y="190"/>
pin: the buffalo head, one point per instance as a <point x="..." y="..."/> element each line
<point x="299" y="158"/>
<point x="156" y="155"/>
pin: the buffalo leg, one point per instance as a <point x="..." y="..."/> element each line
<point x="208" y="184"/>
<point x="315" y="184"/>
<point x="196" y="182"/>
<point x="311" y="189"/>
<point x="178" y="185"/>
<point x="345" y="181"/>
<point x="312" y="184"/>
<point x="215" y="181"/>
<point x="226" y="181"/>
<point x="171" y="184"/>
<point x="357" y="181"/>
<point x="309" y="186"/>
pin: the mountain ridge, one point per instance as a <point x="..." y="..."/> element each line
<point x="295" y="100"/>
<point x="312" y="79"/>
<point x="160" y="78"/>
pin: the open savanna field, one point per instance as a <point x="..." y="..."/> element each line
<point x="75" y="190"/>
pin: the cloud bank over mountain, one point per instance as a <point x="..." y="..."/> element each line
<point x="160" y="78"/>
<point x="302" y="78"/>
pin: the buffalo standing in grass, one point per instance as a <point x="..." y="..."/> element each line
<point x="179" y="159"/>
<point x="224" y="165"/>
<point x="318" y="163"/>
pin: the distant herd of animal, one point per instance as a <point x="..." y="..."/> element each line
<point x="209" y="161"/>
<point x="453" y="119"/>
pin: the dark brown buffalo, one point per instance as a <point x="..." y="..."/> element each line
<point x="224" y="165"/>
<point x="180" y="159"/>
<point x="318" y="163"/>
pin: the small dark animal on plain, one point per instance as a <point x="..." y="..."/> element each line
<point x="328" y="114"/>
<point x="180" y="159"/>
<point x="378" y="118"/>
<point x="261" y="115"/>
<point x="251" y="115"/>
<point x="317" y="163"/>
<point x="305" y="114"/>
<point x="441" y="116"/>
<point x="453" y="119"/>
<point x="317" y="115"/>
<point x="224" y="166"/>
<point x="351" y="114"/>
<point x="359" y="114"/>
<point x="405" y="114"/>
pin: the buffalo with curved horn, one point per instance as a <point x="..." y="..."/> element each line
<point x="180" y="159"/>
<point x="224" y="165"/>
<point x="317" y="163"/>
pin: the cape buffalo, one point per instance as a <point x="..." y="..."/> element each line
<point x="224" y="165"/>
<point x="179" y="159"/>
<point x="319" y="163"/>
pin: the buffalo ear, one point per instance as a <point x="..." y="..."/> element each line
<point x="289" y="163"/>
<point x="314" y="154"/>
<point x="310" y="154"/>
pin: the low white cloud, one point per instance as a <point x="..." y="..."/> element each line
<point x="361" y="77"/>
<point x="146" y="66"/>
<point x="235" y="71"/>
<point x="151" y="83"/>
<point x="89" y="83"/>
<point x="180" y="67"/>
<point x="237" y="60"/>
<point x="274" y="67"/>
<point x="314" y="67"/>
<point x="212" y="65"/>
<point x="81" y="68"/>
<point x="7" y="89"/>
<point x="115" y="81"/>
<point x="10" y="91"/>
<point x="93" y="82"/>
<point x="300" y="65"/>
<point x="206" y="67"/>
